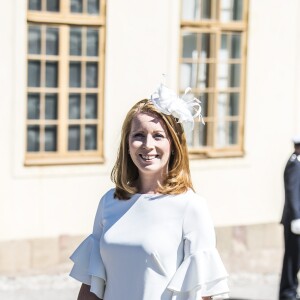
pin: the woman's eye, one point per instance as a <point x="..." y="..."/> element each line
<point x="159" y="136"/>
<point x="138" y="135"/>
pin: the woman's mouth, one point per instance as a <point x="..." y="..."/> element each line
<point x="148" y="157"/>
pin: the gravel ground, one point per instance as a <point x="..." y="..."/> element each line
<point x="62" y="287"/>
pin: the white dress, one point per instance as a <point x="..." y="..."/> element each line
<point x="151" y="247"/>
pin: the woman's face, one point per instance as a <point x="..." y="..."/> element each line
<point x="149" y="145"/>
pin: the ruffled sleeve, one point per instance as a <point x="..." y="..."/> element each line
<point x="88" y="265"/>
<point x="202" y="273"/>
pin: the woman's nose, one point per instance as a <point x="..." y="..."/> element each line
<point x="148" y="144"/>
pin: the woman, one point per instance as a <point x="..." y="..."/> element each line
<point x="153" y="238"/>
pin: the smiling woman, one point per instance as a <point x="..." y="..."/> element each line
<point x="153" y="237"/>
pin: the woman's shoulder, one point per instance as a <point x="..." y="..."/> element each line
<point x="107" y="196"/>
<point x="193" y="198"/>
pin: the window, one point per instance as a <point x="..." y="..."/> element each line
<point x="65" y="80"/>
<point x="212" y="63"/>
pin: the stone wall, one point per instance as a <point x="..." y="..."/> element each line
<point x="255" y="248"/>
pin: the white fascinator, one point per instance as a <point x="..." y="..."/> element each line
<point x="185" y="108"/>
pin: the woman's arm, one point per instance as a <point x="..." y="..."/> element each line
<point x="86" y="294"/>
<point x="206" y="298"/>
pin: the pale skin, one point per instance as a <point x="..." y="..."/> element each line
<point x="150" y="149"/>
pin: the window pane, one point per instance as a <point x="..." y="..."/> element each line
<point x="90" y="137"/>
<point x="223" y="74"/>
<point x="33" y="107"/>
<point x="205" y="45"/>
<point x="227" y="133"/>
<point x="74" y="106"/>
<point x="222" y="106"/>
<point x="52" y="5"/>
<point x="189" y="45"/>
<point x="76" y="6"/>
<point x="190" y="9"/>
<point x="75" y="74"/>
<point x="34" y="40"/>
<point x="233" y="133"/>
<point x="236" y="46"/>
<point x="233" y="109"/>
<point x="91" y="75"/>
<point x="74" y="138"/>
<point x="197" y="137"/>
<point x="203" y="75"/>
<point x="34" y="73"/>
<point x="237" y="10"/>
<point x="51" y="107"/>
<point x="223" y="52"/>
<point x="188" y="73"/>
<point x="50" y="138"/>
<point x="231" y="10"/>
<point x="91" y="106"/>
<point x="35" y="4"/>
<point x="51" y="74"/>
<point x="228" y="104"/>
<point x="75" y="41"/>
<point x="92" y="42"/>
<point x="204" y="104"/>
<point x="93" y="7"/>
<point x="235" y="73"/>
<point x="33" y="138"/>
<point x="52" y="41"/>
<point x="206" y="9"/>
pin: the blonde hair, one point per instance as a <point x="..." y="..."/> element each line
<point x="125" y="174"/>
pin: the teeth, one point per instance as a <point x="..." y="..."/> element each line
<point x="148" y="157"/>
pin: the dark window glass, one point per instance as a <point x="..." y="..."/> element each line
<point x="90" y="137"/>
<point x="52" y="5"/>
<point x="91" y="106"/>
<point x="76" y="6"/>
<point x="33" y="106"/>
<point x="74" y="106"/>
<point x="51" y="107"/>
<point x="52" y="41"/>
<point x="51" y="74"/>
<point x="35" y="4"/>
<point x="33" y="138"/>
<point x="74" y="138"/>
<point x="34" y="73"/>
<point x="75" y="74"/>
<point x="50" y="138"/>
<point x="34" y="40"/>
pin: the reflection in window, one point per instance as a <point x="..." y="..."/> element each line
<point x="51" y="107"/>
<point x="75" y="74"/>
<point x="231" y="10"/>
<point x="51" y="74"/>
<point x="74" y="138"/>
<point x="90" y="137"/>
<point x="34" y="40"/>
<point x="74" y="106"/>
<point x="193" y="10"/>
<point x="52" y="41"/>
<point x="50" y="138"/>
<point x="34" y="73"/>
<point x="33" y="138"/>
<point x="33" y="106"/>
<point x="35" y="4"/>
<point x="52" y="5"/>
<point x="91" y="106"/>
<point x="75" y="41"/>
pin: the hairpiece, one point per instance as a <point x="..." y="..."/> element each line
<point x="185" y="108"/>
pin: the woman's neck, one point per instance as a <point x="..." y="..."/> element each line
<point x="148" y="185"/>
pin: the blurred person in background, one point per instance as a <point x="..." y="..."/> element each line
<point x="291" y="222"/>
